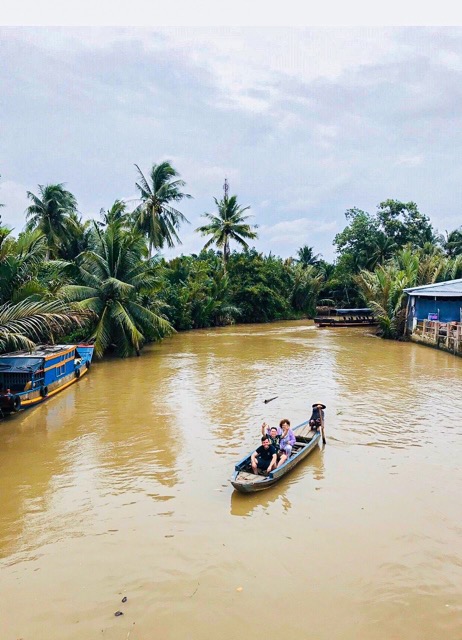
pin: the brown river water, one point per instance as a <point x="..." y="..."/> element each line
<point x="119" y="486"/>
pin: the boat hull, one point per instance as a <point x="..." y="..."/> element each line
<point x="246" y="482"/>
<point x="327" y="322"/>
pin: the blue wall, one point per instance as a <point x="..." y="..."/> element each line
<point x="449" y="309"/>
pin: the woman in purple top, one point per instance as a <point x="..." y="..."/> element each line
<point x="286" y="442"/>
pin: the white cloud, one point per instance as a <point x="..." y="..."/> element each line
<point x="293" y="231"/>
<point x="410" y="161"/>
<point x="302" y="121"/>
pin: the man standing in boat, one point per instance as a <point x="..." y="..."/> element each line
<point x="317" y="416"/>
<point x="264" y="458"/>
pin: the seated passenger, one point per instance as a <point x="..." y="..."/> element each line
<point x="274" y="434"/>
<point x="264" y="458"/>
<point x="286" y="442"/>
<point x="266" y="430"/>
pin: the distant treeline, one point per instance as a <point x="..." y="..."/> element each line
<point x="103" y="280"/>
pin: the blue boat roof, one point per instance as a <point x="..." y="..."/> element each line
<point x="40" y="351"/>
<point x="19" y="365"/>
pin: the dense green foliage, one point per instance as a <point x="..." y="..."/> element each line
<point x="97" y="280"/>
<point x="115" y="284"/>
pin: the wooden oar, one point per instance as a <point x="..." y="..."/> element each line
<point x="322" y="424"/>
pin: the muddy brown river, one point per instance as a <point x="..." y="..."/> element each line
<point x="119" y="487"/>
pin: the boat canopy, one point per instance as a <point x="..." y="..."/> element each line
<point x="20" y="365"/>
<point x="353" y="312"/>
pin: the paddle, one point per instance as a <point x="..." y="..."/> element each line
<point x="270" y="400"/>
<point x="322" y="423"/>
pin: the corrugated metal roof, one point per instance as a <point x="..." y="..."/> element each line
<point x="448" y="289"/>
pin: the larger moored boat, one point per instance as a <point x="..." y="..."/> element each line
<point x="29" y="377"/>
<point x="345" y="318"/>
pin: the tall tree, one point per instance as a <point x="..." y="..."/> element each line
<point x="155" y="216"/>
<point x="403" y="223"/>
<point x="356" y="243"/>
<point x="112" y="281"/>
<point x="53" y="211"/>
<point x="229" y="223"/>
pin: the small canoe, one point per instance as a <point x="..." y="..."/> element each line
<point x="245" y="481"/>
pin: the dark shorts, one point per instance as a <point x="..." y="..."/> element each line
<point x="263" y="463"/>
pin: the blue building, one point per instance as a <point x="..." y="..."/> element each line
<point x="441" y="302"/>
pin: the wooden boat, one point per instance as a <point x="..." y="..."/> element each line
<point x="245" y="481"/>
<point x="29" y="377"/>
<point x="346" y="318"/>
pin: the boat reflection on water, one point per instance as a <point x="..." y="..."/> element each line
<point x="316" y="463"/>
<point x="243" y="504"/>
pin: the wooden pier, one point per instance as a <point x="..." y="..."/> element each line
<point x="441" y="335"/>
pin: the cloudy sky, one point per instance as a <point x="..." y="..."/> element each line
<point x="304" y="123"/>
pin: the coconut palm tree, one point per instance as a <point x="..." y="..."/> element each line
<point x="227" y="224"/>
<point x="20" y="260"/>
<point x="307" y="284"/>
<point x="453" y="242"/>
<point x="306" y="256"/>
<point x="383" y="290"/>
<point x="25" y="323"/>
<point x="112" y="282"/>
<point x="118" y="211"/>
<point x="155" y="216"/>
<point x="53" y="212"/>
